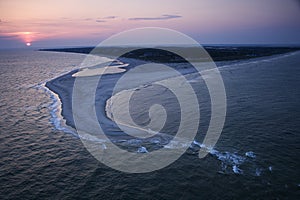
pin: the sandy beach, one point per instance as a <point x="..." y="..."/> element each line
<point x="162" y="100"/>
<point x="257" y="148"/>
<point x="111" y="98"/>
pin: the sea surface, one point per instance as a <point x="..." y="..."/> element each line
<point x="256" y="157"/>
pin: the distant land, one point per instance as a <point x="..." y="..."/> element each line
<point x="217" y="53"/>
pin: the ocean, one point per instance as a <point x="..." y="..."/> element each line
<point x="256" y="157"/>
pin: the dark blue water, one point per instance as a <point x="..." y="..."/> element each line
<point x="257" y="156"/>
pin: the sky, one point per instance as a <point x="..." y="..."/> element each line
<point x="61" y="23"/>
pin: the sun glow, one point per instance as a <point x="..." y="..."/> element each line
<point x="27" y="37"/>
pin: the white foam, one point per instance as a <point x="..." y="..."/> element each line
<point x="232" y="160"/>
<point x="270" y="168"/>
<point x="250" y="154"/>
<point x="236" y="170"/>
<point x="142" y="150"/>
<point x="176" y="145"/>
<point x="198" y="144"/>
<point x="258" y="171"/>
<point x="155" y="140"/>
<point x="55" y="111"/>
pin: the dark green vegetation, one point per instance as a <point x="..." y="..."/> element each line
<point x="218" y="53"/>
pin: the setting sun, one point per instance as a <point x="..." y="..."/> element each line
<point x="28" y="44"/>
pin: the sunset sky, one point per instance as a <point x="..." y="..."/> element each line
<point x="58" y="23"/>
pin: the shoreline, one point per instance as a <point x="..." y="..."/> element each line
<point x="62" y="86"/>
<point x="64" y="91"/>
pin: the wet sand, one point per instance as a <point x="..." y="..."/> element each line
<point x="63" y="86"/>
